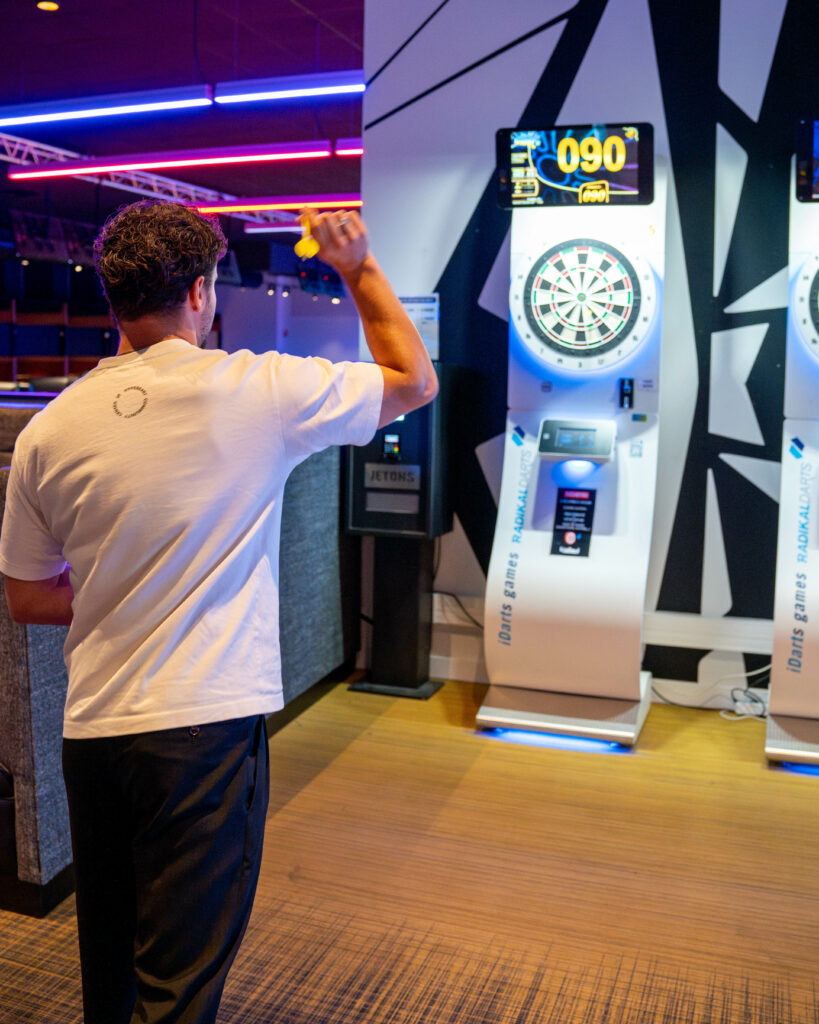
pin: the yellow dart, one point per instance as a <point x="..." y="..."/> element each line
<point x="306" y="246"/>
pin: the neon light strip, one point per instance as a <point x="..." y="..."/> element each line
<point x="158" y="162"/>
<point x="150" y="101"/>
<point x="331" y="83"/>
<point x="73" y="115"/>
<point x="283" y="203"/>
<point x="273" y="229"/>
<point x="290" y="94"/>
<point x="349" y="147"/>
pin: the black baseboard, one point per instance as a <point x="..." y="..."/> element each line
<point x="35" y="900"/>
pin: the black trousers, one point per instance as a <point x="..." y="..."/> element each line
<point x="167" y="830"/>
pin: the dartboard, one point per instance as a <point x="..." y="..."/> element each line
<point x="806" y="296"/>
<point x="583" y="305"/>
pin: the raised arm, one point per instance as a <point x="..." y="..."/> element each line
<point x="396" y="346"/>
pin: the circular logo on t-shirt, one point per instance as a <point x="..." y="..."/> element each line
<point x="130" y="402"/>
<point x="570" y="537"/>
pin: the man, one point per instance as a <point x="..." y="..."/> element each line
<point x="158" y="479"/>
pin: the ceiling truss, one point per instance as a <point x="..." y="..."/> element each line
<point x="15" y="150"/>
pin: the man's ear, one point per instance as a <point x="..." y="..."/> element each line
<point x="196" y="295"/>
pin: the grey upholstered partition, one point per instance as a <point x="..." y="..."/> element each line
<point x="318" y="576"/>
<point x="32" y="694"/>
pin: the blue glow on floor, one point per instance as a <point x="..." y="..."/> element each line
<point x="800" y="769"/>
<point x="557" y="741"/>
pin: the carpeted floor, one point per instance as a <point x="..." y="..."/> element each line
<point x="417" y="871"/>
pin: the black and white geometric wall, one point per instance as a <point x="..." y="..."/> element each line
<point x="723" y="84"/>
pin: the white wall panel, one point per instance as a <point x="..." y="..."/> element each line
<point x="463" y="32"/>
<point x="748" y="33"/>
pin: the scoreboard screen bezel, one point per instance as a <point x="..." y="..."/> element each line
<point x="807" y="153"/>
<point x="645" y="166"/>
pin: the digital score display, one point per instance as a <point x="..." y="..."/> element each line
<point x="580" y="165"/>
<point x="807" y="161"/>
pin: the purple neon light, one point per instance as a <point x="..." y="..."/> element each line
<point x="218" y="156"/>
<point x="349" y="147"/>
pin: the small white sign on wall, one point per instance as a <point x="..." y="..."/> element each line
<point x="425" y="313"/>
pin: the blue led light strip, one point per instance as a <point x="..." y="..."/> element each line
<point x="328" y="84"/>
<point x="557" y="741"/>
<point x="155" y="100"/>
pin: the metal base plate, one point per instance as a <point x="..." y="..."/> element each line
<point x="421" y="692"/>
<point x="604" y="718"/>
<point x="792" y="739"/>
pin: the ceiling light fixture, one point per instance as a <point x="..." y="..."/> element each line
<point x="48" y="5"/>
<point x="349" y="147"/>
<point x="273" y="229"/>
<point x="345" y="200"/>
<point x="331" y="83"/>
<point x="152" y="100"/>
<point x="224" y="155"/>
<point x="328" y="84"/>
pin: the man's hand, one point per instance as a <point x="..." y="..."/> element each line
<point x="342" y="239"/>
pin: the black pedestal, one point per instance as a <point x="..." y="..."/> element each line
<point x="402" y="619"/>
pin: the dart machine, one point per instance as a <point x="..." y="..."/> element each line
<point x="566" y="585"/>
<point x="793" y="720"/>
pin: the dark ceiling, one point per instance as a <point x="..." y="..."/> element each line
<point x="93" y="47"/>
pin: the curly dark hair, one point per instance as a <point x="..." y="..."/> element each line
<point x="148" y="255"/>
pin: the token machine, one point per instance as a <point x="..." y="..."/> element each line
<point x="398" y="492"/>
<point x="566" y="584"/>
<point x="793" y="721"/>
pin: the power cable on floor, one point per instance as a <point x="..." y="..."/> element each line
<point x="739" y="695"/>
<point x="459" y="602"/>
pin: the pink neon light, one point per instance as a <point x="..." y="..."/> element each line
<point x="291" y="204"/>
<point x="350" y="152"/>
<point x="144" y="165"/>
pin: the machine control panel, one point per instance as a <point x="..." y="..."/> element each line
<point x="391" y="449"/>
<point x="577" y="439"/>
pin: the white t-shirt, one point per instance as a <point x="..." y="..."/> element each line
<point x="158" y="477"/>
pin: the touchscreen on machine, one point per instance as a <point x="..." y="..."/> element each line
<point x="581" y="165"/>
<point x="575" y="440"/>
